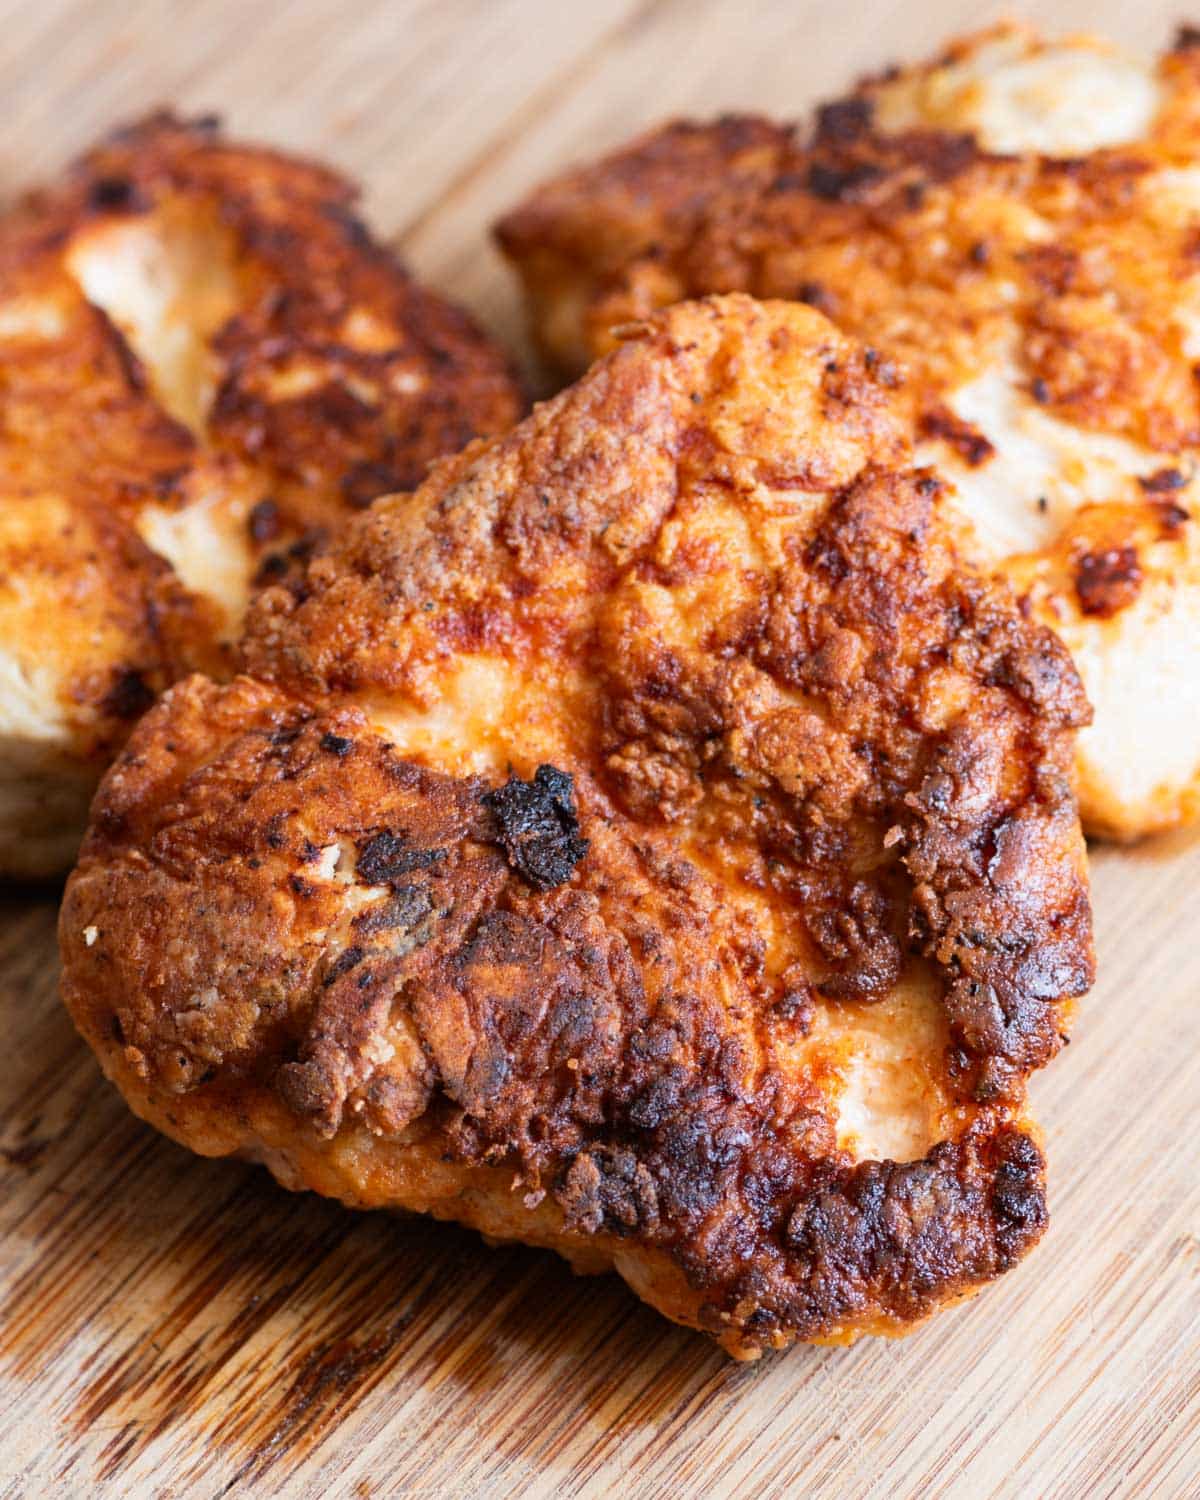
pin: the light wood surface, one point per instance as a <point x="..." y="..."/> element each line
<point x="173" y="1327"/>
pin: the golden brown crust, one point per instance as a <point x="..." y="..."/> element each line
<point x="1074" y="275"/>
<point x="918" y="242"/>
<point x="769" y="763"/>
<point x="393" y="375"/>
<point x="203" y="353"/>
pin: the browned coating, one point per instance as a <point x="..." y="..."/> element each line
<point x="304" y="265"/>
<point x="1067" y="281"/>
<point x="1106" y="582"/>
<point x="321" y="376"/>
<point x="916" y="242"/>
<point x="569" y="955"/>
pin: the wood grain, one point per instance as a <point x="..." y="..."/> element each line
<point x="173" y="1327"/>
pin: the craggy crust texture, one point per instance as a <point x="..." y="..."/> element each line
<point x="203" y="358"/>
<point x="648" y="841"/>
<point x="1016" y="228"/>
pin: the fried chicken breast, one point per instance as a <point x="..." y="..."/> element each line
<point x="650" y="840"/>
<point x="203" y="357"/>
<point x="1015" y="229"/>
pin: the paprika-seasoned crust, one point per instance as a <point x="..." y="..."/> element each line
<point x="648" y="840"/>
<point x="205" y="360"/>
<point x="1025" y="263"/>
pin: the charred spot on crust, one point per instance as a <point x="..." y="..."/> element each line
<point x="348" y="959"/>
<point x="276" y="566"/>
<point x="967" y="441"/>
<point x="114" y="194"/>
<point x="796" y="1005"/>
<point x="1107" y="582"/>
<point x="609" y="1188"/>
<point x="387" y="857"/>
<point x="844" y="120"/>
<point x="1186" y="37"/>
<point x="336" y="744"/>
<point x="264" y="522"/>
<point x="1018" y="1198"/>
<point x="900" y="1222"/>
<point x="1163" y="481"/>
<point x="272" y="569"/>
<point x="538" y="826"/>
<point x="854" y="938"/>
<point x="305" y="1088"/>
<point x="408" y="905"/>
<point x="129" y="697"/>
<point x="841" y="184"/>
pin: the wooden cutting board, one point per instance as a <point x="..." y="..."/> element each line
<point x="176" y="1327"/>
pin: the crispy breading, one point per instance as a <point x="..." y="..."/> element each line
<point x="203" y="358"/>
<point x="648" y="840"/>
<point x="1015" y="228"/>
